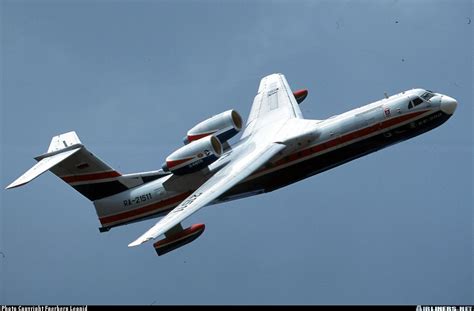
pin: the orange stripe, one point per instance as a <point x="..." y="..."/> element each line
<point x="186" y="233"/>
<point x="92" y="176"/>
<point x="143" y="210"/>
<point x="199" y="136"/>
<point x="173" y="163"/>
<point x="343" y="139"/>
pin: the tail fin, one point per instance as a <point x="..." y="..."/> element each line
<point x="69" y="159"/>
<point x="63" y="141"/>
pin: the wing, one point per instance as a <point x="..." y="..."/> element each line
<point x="274" y="102"/>
<point x="272" y="107"/>
<point x="245" y="162"/>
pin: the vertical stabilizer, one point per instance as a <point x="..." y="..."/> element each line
<point x="62" y="141"/>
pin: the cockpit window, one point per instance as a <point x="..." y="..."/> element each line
<point x="427" y="95"/>
<point x="410" y="105"/>
<point x="417" y="101"/>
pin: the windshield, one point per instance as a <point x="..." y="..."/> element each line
<point x="427" y="95"/>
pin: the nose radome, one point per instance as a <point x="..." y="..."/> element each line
<point x="448" y="104"/>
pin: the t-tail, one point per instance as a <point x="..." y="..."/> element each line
<point x="70" y="160"/>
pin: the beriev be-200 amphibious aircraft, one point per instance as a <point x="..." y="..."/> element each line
<point x="277" y="147"/>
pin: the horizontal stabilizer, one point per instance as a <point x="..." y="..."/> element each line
<point x="42" y="166"/>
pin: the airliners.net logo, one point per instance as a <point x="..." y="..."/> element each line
<point x="444" y="308"/>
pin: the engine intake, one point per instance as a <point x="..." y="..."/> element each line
<point x="224" y="126"/>
<point x="194" y="156"/>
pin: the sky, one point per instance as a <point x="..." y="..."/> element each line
<point x="131" y="77"/>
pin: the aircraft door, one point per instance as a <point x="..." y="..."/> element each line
<point x="374" y="116"/>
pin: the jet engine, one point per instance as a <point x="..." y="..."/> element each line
<point x="224" y="126"/>
<point x="194" y="156"/>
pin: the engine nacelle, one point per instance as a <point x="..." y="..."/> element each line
<point x="194" y="156"/>
<point x="224" y="126"/>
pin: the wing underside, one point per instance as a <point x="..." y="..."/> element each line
<point x="226" y="178"/>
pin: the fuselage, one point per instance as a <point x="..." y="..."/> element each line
<point x="339" y="139"/>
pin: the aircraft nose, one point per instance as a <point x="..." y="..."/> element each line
<point x="448" y="104"/>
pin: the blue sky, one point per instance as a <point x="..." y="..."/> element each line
<point x="394" y="227"/>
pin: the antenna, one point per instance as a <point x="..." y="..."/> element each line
<point x="385" y="94"/>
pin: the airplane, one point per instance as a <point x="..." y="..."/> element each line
<point x="277" y="147"/>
